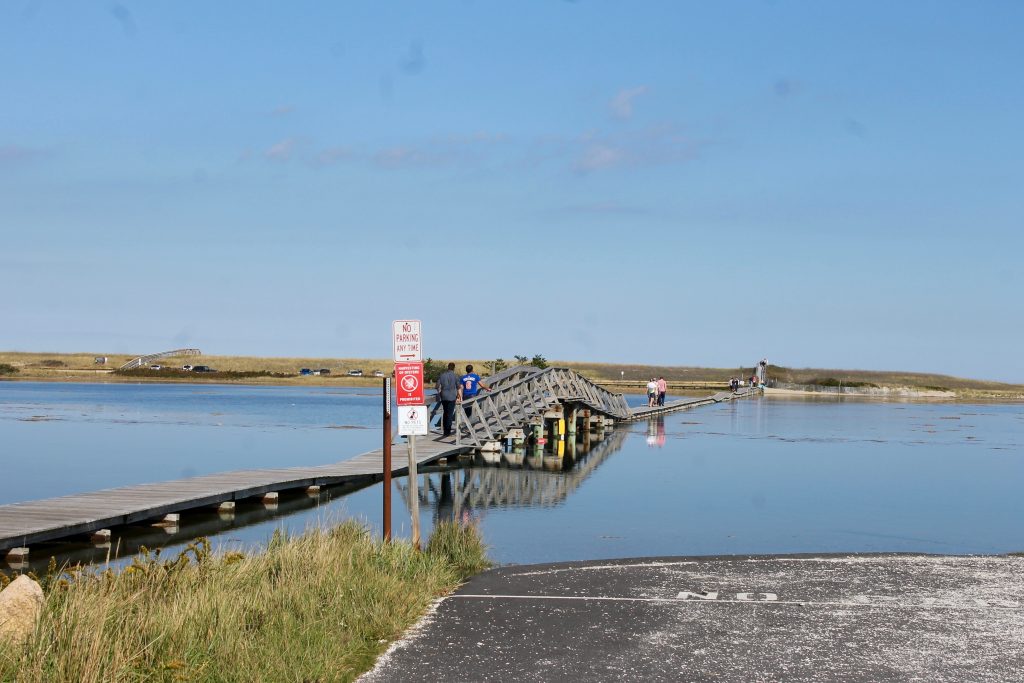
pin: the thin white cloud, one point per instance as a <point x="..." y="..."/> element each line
<point x="652" y="146"/>
<point x="598" y="156"/>
<point x="621" y="105"/>
<point x="332" y="155"/>
<point x="282" y="151"/>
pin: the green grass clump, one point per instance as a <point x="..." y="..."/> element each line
<point x="7" y="369"/>
<point x="319" y="607"/>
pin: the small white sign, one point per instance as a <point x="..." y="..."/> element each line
<point x="413" y="420"/>
<point x="408" y="344"/>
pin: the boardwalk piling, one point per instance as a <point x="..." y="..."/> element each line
<point x="168" y="520"/>
<point x="17" y="555"/>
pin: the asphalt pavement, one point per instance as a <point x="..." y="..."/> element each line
<point x="796" y="618"/>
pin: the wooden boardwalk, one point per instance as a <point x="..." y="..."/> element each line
<point x="685" y="403"/>
<point x="24" y="524"/>
<point x="37" y="521"/>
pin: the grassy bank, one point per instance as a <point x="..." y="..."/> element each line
<point x="320" y="607"/>
<point x="620" y="377"/>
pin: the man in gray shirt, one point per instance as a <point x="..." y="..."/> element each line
<point x="448" y="390"/>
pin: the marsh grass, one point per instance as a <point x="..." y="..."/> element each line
<point x="318" y="607"/>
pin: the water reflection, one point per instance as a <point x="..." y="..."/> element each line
<point x="511" y="479"/>
<point x="463" y="491"/>
<point x="656" y="432"/>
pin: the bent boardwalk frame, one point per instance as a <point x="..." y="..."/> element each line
<point x="523" y="397"/>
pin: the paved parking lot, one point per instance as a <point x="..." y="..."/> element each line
<point x="834" y="618"/>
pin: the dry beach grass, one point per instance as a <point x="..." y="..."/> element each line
<point x="319" y="607"/>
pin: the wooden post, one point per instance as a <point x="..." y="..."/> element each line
<point x="17" y="555"/>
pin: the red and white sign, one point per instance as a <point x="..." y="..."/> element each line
<point x="409" y="384"/>
<point x="408" y="344"/>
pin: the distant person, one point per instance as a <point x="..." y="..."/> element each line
<point x="652" y="392"/>
<point x="448" y="393"/>
<point x="469" y="386"/>
<point x="662" y="390"/>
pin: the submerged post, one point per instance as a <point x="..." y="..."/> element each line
<point x="387" y="459"/>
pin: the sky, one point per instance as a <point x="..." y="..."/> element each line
<point x="688" y="183"/>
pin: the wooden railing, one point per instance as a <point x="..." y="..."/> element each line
<point x="521" y="394"/>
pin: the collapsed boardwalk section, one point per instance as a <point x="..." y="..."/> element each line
<point x="527" y="406"/>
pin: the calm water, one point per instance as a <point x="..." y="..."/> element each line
<point x="754" y="476"/>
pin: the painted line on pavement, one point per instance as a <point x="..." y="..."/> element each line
<point x="796" y="603"/>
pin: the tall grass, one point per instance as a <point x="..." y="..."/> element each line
<point x="319" y="607"/>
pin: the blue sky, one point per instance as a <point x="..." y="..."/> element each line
<point x="825" y="184"/>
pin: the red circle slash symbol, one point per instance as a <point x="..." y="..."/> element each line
<point x="409" y="383"/>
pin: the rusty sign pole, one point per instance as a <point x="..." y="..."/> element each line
<point x="387" y="459"/>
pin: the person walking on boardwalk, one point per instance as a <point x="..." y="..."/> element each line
<point x="469" y="386"/>
<point x="662" y="390"/>
<point x="652" y="392"/>
<point x="448" y="392"/>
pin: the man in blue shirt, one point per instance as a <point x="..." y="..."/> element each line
<point x="469" y="386"/>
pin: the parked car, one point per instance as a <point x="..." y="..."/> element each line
<point x="325" y="371"/>
<point x="355" y="373"/>
<point x="156" y="367"/>
<point x="186" y="368"/>
<point x="203" y="368"/>
<point x="305" y="371"/>
<point x="378" y="373"/>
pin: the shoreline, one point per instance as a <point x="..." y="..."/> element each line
<point x="620" y="378"/>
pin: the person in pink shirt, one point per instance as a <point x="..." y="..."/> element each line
<point x="662" y="390"/>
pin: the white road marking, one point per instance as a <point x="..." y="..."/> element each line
<point x="707" y="601"/>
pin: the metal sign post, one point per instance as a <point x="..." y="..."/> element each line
<point x="413" y="421"/>
<point x="412" y="413"/>
<point x="414" y="493"/>
<point x="387" y="459"/>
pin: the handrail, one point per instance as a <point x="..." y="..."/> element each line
<point x="491" y="414"/>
